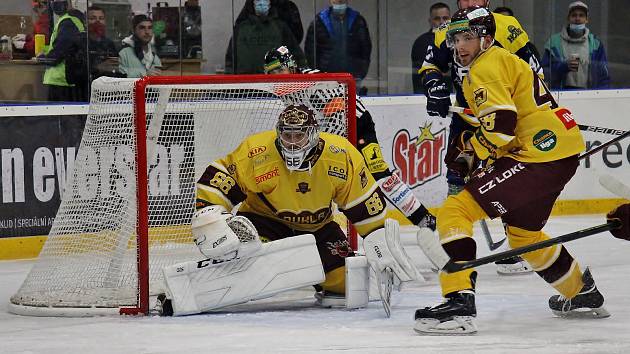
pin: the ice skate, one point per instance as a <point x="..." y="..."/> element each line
<point x="513" y="266"/>
<point x="588" y="303"/>
<point x="455" y="316"/>
<point x="164" y="306"/>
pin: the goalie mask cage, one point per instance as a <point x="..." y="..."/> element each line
<point x="125" y="211"/>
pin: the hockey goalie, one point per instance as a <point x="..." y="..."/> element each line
<point x="283" y="237"/>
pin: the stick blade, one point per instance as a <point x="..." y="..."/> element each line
<point x="614" y="186"/>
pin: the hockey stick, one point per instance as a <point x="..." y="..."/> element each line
<point x="488" y="236"/>
<point x="452" y="266"/>
<point x="605" y="145"/>
<point x="583" y="127"/>
<point x="615" y="186"/>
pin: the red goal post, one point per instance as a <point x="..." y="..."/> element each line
<point x="127" y="207"/>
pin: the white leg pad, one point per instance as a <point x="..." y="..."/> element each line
<point x="357" y="282"/>
<point x="278" y="266"/>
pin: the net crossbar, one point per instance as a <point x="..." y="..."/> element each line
<point x="125" y="211"/>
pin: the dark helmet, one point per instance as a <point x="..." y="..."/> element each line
<point x="298" y="134"/>
<point x="475" y="19"/>
<point x="280" y="58"/>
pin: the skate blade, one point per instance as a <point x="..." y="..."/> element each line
<point x="329" y="301"/>
<point x="458" y="326"/>
<point x="513" y="269"/>
<point x="599" y="312"/>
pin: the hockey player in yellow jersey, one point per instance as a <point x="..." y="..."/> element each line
<point x="287" y="182"/>
<point x="530" y="148"/>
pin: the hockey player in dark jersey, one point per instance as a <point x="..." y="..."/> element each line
<point x="280" y="61"/>
<point x="440" y="59"/>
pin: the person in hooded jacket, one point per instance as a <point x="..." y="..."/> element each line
<point x="257" y="30"/>
<point x="138" y="57"/>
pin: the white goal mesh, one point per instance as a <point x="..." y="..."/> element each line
<point x="117" y="227"/>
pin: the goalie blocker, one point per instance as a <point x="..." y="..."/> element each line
<point x="240" y="268"/>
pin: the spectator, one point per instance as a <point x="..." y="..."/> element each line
<point x="288" y="12"/>
<point x="102" y="50"/>
<point x="138" y="57"/>
<point x="338" y="40"/>
<point x="504" y="11"/>
<point x="258" y="30"/>
<point x="41" y="26"/>
<point x="67" y="28"/>
<point x="439" y="14"/>
<point x="575" y="58"/>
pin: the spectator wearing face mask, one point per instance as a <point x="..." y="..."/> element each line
<point x="257" y="30"/>
<point x="338" y="40"/>
<point x="439" y="14"/>
<point x="575" y="58"/>
<point x="102" y="50"/>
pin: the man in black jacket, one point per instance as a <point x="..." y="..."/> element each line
<point x="338" y="40"/>
<point x="439" y="14"/>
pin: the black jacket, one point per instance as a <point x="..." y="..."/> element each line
<point x="319" y="45"/>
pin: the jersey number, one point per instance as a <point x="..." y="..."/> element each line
<point x="374" y="204"/>
<point x="222" y="182"/>
<point x="542" y="95"/>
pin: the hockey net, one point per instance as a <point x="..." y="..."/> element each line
<point x="126" y="209"/>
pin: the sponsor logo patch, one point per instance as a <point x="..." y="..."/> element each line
<point x="514" y="33"/>
<point x="486" y="187"/>
<point x="261" y="160"/>
<point x="566" y="118"/>
<point x="267" y="176"/>
<point x="339" y="248"/>
<point x="256" y="151"/>
<point x="363" y="177"/>
<point x="499" y="207"/>
<point x="338" y="172"/>
<point x="374" y="158"/>
<point x="545" y="140"/>
<point x="303" y="188"/>
<point x="231" y="169"/>
<point x="336" y="149"/>
<point x="481" y="96"/>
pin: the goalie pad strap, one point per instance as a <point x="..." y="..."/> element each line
<point x="277" y="266"/>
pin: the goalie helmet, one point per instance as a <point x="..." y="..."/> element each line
<point x="280" y="59"/>
<point x="476" y="20"/>
<point x="298" y="135"/>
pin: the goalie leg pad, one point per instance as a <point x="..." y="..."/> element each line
<point x="277" y="266"/>
<point x="357" y="282"/>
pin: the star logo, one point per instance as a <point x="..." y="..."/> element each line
<point x="425" y="133"/>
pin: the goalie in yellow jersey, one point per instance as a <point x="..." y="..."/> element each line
<point x="530" y="147"/>
<point x="287" y="182"/>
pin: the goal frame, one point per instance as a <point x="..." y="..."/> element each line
<point x="142" y="195"/>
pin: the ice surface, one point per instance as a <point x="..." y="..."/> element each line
<point x="513" y="317"/>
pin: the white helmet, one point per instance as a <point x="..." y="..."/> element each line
<point x="298" y="135"/>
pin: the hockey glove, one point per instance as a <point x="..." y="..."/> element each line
<point x="438" y="98"/>
<point x="460" y="156"/>
<point x="621" y="213"/>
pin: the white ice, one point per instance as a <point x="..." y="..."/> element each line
<point x="513" y="317"/>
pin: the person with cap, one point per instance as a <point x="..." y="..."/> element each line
<point x="138" y="57"/>
<point x="575" y="58"/>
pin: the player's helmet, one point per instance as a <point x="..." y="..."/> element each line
<point x="279" y="59"/>
<point x="476" y="20"/>
<point x="298" y="135"/>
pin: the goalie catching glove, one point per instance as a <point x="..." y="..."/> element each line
<point x="220" y="235"/>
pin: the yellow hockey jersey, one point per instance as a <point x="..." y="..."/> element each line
<point x="518" y="115"/>
<point x="256" y="175"/>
